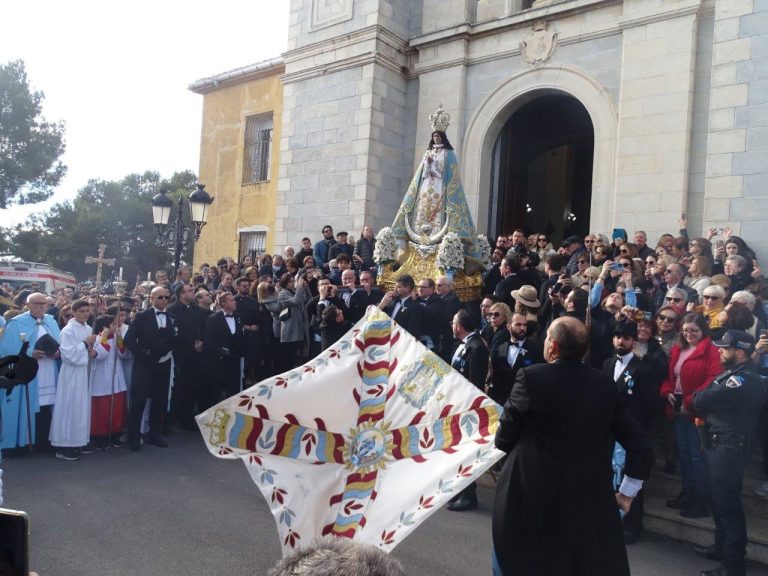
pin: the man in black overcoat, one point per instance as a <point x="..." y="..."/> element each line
<point x="151" y="338"/>
<point x="470" y="359"/>
<point x="637" y="386"/>
<point x="187" y="356"/>
<point x="556" y="513"/>
<point x="224" y="344"/>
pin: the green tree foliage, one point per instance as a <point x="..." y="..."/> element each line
<point x="30" y="147"/>
<point x="115" y="213"/>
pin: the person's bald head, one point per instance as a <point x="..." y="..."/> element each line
<point x="37" y="303"/>
<point x="159" y="297"/>
<point x="567" y="339"/>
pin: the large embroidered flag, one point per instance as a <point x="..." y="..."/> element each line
<point x="365" y="441"/>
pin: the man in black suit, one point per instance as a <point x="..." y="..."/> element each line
<point x="187" y="356"/>
<point x="223" y="342"/>
<point x="508" y="356"/>
<point x="510" y="267"/>
<point x="493" y="276"/>
<point x="452" y="305"/>
<point x="637" y="386"/>
<point x="470" y="358"/>
<point x="366" y="295"/>
<point x="556" y="512"/>
<point x="673" y="278"/>
<point x="403" y="307"/>
<point x="434" y="314"/>
<point x="151" y="338"/>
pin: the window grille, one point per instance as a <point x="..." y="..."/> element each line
<point x="258" y="143"/>
<point x="252" y="244"/>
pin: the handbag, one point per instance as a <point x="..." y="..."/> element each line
<point x="285" y="314"/>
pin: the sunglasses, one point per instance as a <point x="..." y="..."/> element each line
<point x="623" y="251"/>
<point x="541" y="239"/>
<point x="650" y="263"/>
<point x="162" y="297"/>
<point x="708" y="297"/>
<point x="670" y="299"/>
<point x="496" y="314"/>
<point x="626" y="264"/>
<point x="589" y="241"/>
<point x="581" y="262"/>
<point x="661" y="318"/>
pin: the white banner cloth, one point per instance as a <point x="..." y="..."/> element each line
<point x="365" y="441"/>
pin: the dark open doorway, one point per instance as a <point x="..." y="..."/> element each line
<point x="541" y="177"/>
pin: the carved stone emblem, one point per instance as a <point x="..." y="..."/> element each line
<point x="539" y="44"/>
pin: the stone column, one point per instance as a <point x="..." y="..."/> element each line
<point x="655" y="114"/>
<point x="736" y="188"/>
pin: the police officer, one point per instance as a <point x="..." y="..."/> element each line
<point x="731" y="406"/>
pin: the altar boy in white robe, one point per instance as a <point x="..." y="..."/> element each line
<point x="109" y="407"/>
<point x="71" y="424"/>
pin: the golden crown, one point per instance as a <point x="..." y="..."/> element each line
<point x="440" y="119"/>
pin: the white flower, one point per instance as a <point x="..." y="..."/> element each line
<point x="485" y="250"/>
<point x="450" y="255"/>
<point x="386" y="246"/>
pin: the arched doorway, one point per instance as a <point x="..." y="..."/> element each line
<point x="492" y="114"/>
<point x="541" y="168"/>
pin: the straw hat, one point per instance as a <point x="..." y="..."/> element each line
<point x="526" y="296"/>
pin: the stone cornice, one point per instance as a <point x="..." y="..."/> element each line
<point x="343" y="64"/>
<point x="517" y="20"/>
<point x="631" y="22"/>
<point x="366" y="34"/>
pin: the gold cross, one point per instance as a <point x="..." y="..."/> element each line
<point x="100" y="261"/>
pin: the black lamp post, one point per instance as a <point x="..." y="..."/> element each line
<point x="199" y="203"/>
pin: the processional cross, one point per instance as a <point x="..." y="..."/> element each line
<point x="100" y="261"/>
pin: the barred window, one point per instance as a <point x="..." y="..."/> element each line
<point x="258" y="143"/>
<point x="252" y="244"/>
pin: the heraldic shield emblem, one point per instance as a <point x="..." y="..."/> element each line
<point x="537" y="47"/>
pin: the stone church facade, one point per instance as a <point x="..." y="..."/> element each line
<point x="675" y="91"/>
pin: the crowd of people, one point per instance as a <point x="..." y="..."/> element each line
<point x="128" y="369"/>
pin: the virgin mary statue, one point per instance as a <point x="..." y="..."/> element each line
<point x="434" y="206"/>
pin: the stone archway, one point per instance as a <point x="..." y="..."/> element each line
<point x="504" y="101"/>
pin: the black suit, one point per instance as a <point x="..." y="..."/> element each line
<point x="638" y="386"/>
<point x="555" y="511"/>
<point x="433" y="319"/>
<point x="472" y="362"/>
<point x="504" y="289"/>
<point x="502" y="374"/>
<point x="452" y="305"/>
<point x="151" y="378"/>
<point x="188" y="380"/>
<point x="410" y="316"/>
<point x="223" y="351"/>
<point x="360" y="300"/>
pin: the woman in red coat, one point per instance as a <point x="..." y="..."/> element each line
<point x="693" y="363"/>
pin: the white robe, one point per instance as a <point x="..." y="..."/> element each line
<point x="71" y="423"/>
<point x="104" y="365"/>
<point x="46" y="375"/>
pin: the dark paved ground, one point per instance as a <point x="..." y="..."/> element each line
<point x="182" y="512"/>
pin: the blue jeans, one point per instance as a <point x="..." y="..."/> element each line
<point x="693" y="468"/>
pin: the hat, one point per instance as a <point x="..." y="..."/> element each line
<point x="736" y="339"/>
<point x="570" y="240"/>
<point x="625" y="328"/>
<point x="526" y="296"/>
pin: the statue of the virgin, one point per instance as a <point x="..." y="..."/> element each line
<point x="434" y="216"/>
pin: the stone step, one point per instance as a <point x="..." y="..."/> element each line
<point x="669" y="486"/>
<point x="665" y="521"/>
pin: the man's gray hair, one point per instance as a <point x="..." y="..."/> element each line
<point x="676" y="293"/>
<point x="337" y="557"/>
<point x="746" y="298"/>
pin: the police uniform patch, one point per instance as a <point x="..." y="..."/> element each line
<point x="734" y="382"/>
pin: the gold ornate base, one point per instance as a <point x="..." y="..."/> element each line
<point x="466" y="286"/>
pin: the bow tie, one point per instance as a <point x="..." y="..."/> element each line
<point x="229" y="315"/>
<point x="159" y="313"/>
<point x="515" y="344"/>
<point x="619" y="358"/>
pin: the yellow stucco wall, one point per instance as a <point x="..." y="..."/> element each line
<point x="236" y="205"/>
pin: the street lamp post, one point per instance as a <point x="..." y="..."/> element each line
<point x="199" y="204"/>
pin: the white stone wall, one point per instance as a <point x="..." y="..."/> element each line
<point x="737" y="146"/>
